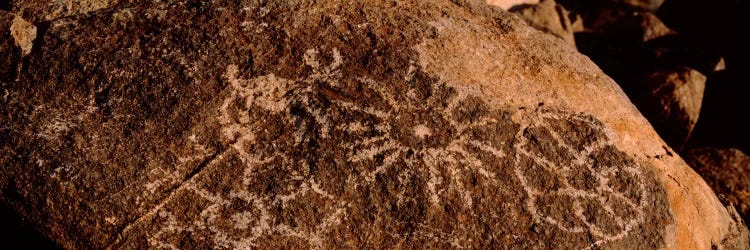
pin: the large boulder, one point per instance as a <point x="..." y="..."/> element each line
<point x="232" y="124"/>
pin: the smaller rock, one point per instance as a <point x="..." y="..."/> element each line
<point x="592" y="8"/>
<point x="507" y="4"/>
<point x="633" y="25"/>
<point x="620" y="42"/>
<point x="576" y="21"/>
<point x="727" y="171"/>
<point x="649" y="5"/>
<point x="720" y="65"/>
<point x="670" y="50"/>
<point x="23" y="33"/>
<point x="672" y="102"/>
<point x="548" y="16"/>
<point x="651" y="26"/>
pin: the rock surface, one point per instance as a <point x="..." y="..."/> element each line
<point x="638" y="26"/>
<point x="628" y="44"/>
<point x="549" y="17"/>
<point x="634" y="26"/>
<point x="672" y="102"/>
<point x="640" y="5"/>
<point x="650" y="5"/>
<point x="232" y="124"/>
<point x="507" y="4"/>
<point x="671" y="50"/>
<point x="727" y="171"/>
<point x="23" y="34"/>
<point x="45" y="10"/>
<point x="716" y="30"/>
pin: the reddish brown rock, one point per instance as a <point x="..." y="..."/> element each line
<point x="298" y="124"/>
<point x="650" y="5"/>
<point x="45" y="10"/>
<point x="641" y="5"/>
<point x="549" y="17"/>
<point x="635" y="26"/>
<point x="23" y="34"/>
<point x="652" y="27"/>
<point x="507" y="4"/>
<point x="727" y="171"/>
<point x="672" y="102"/>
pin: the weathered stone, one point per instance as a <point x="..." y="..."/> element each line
<point x="652" y="27"/>
<point x="727" y="171"/>
<point x="592" y="5"/>
<point x="739" y="236"/>
<point x="291" y="124"/>
<point x="576" y="22"/>
<point x="549" y="17"/>
<point x="650" y="5"/>
<point x="507" y="4"/>
<point x="627" y="44"/>
<point x="672" y="50"/>
<point x="672" y="102"/>
<point x="23" y="34"/>
<point x="45" y="10"/>
<point x="634" y="26"/>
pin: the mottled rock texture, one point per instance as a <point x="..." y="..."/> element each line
<point x="633" y="26"/>
<point x="507" y="4"/>
<point x="45" y="10"/>
<point x="672" y="100"/>
<point x="548" y="16"/>
<point x="727" y="171"/>
<point x="23" y="34"/>
<point x="232" y="124"/>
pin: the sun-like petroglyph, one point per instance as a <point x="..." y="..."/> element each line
<point x="333" y="159"/>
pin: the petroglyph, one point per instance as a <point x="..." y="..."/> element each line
<point x="412" y="160"/>
<point x="564" y="169"/>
